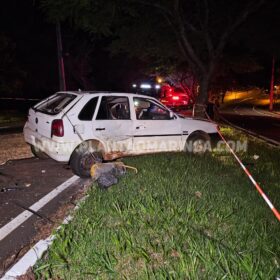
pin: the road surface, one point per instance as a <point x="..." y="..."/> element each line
<point x="26" y="185"/>
<point x="254" y="119"/>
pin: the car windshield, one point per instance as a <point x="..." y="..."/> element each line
<point x="56" y="103"/>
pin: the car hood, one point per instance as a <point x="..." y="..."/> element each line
<point x="194" y="124"/>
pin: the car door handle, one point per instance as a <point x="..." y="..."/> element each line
<point x="140" y="127"/>
<point x="100" y="128"/>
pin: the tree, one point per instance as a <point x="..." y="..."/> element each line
<point x="182" y="77"/>
<point x="11" y="76"/>
<point x="195" y="32"/>
<point x="77" y="53"/>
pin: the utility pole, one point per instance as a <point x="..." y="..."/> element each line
<point x="271" y="93"/>
<point x="61" y="72"/>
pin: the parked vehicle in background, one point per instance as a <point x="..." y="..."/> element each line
<point x="82" y="128"/>
<point x="148" y="87"/>
<point x="171" y="96"/>
<point x="175" y="98"/>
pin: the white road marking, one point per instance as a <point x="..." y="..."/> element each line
<point x="266" y="113"/>
<point x="258" y="112"/>
<point x="25" y="215"/>
<point x="242" y="111"/>
<point x="253" y="112"/>
<point x="37" y="251"/>
<point x="243" y="100"/>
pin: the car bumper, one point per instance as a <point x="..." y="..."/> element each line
<point x="58" y="151"/>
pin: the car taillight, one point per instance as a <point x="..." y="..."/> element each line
<point x="57" y="128"/>
<point x="175" y="97"/>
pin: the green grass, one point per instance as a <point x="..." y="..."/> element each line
<point x="180" y="217"/>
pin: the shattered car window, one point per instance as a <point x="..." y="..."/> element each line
<point x="55" y="104"/>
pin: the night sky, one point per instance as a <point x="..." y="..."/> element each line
<point x="88" y="64"/>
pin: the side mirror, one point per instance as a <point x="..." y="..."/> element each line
<point x="171" y="115"/>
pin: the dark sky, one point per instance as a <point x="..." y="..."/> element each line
<point x="35" y="53"/>
<point x="35" y="44"/>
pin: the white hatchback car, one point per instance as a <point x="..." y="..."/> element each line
<point x="86" y="127"/>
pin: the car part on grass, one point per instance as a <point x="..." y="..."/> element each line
<point x="106" y="174"/>
<point x="117" y="168"/>
<point x="106" y="180"/>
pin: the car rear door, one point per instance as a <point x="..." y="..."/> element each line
<point x="154" y="129"/>
<point x="113" y="124"/>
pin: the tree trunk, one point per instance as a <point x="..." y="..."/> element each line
<point x="202" y="98"/>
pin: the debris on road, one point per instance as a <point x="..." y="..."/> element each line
<point x="11" y="189"/>
<point x="255" y="157"/>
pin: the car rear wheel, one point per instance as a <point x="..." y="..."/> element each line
<point x="198" y="143"/>
<point x="82" y="161"/>
<point x="38" y="153"/>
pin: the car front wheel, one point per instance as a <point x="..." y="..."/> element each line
<point x="198" y="143"/>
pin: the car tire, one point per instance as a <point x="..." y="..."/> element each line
<point x="198" y="143"/>
<point x="38" y="153"/>
<point x="82" y="160"/>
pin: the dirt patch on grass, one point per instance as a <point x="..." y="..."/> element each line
<point x="13" y="146"/>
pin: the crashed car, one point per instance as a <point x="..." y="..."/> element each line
<point x="82" y="128"/>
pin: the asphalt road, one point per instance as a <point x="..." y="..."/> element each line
<point x="259" y="121"/>
<point x="22" y="184"/>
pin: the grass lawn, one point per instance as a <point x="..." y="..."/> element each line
<point x="180" y="217"/>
